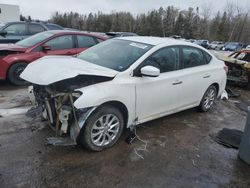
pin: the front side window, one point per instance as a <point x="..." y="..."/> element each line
<point x="35" y="28"/>
<point x="192" y="57"/>
<point x="85" y="41"/>
<point x="16" y="29"/>
<point x="61" y="42"/>
<point x="115" y="54"/>
<point x="166" y="59"/>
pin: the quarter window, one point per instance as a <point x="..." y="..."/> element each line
<point x="16" y="29"/>
<point x="85" y="41"/>
<point x="60" y="43"/>
<point x="193" y="57"/>
<point x="166" y="59"/>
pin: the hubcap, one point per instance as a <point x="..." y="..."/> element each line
<point x="105" y="130"/>
<point x="209" y="98"/>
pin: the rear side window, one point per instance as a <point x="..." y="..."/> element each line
<point x="16" y="29"/>
<point x="99" y="40"/>
<point x="61" y="42"/>
<point x="35" y="28"/>
<point x="207" y="56"/>
<point x="166" y="59"/>
<point x="193" y="57"/>
<point x="85" y="41"/>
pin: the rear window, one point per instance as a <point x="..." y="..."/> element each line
<point x="53" y="27"/>
<point x="35" y="28"/>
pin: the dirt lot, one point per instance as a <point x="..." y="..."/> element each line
<point x="179" y="153"/>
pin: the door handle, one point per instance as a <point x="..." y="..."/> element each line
<point x="207" y="76"/>
<point x="177" y="82"/>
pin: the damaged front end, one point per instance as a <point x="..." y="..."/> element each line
<point x="57" y="101"/>
<point x="238" y="68"/>
<point x="56" y="80"/>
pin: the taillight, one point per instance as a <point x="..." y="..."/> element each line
<point x="226" y="68"/>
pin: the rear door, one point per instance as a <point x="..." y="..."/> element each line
<point x="61" y="45"/>
<point x="196" y="75"/>
<point x="84" y="42"/>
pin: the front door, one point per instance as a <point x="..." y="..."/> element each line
<point x="157" y="96"/>
<point x="61" y="45"/>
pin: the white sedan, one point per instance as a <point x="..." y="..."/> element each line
<point x="121" y="83"/>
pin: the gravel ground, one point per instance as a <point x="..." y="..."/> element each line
<point x="179" y="151"/>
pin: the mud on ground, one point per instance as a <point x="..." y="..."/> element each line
<point x="179" y="151"/>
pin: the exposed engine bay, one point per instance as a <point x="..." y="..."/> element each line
<point x="57" y="101"/>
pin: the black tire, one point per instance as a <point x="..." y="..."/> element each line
<point x="86" y="136"/>
<point x="204" y="106"/>
<point x="14" y="74"/>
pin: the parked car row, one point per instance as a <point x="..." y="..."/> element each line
<point x="15" y="57"/>
<point x="90" y="88"/>
<point x="215" y="45"/>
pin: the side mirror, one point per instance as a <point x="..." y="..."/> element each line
<point x="3" y="33"/>
<point x="150" y="71"/>
<point x="46" y="48"/>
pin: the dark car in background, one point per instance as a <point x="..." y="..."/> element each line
<point x="120" y="34"/>
<point x="203" y="43"/>
<point x="12" y="32"/>
<point x="15" y="57"/>
<point x="233" y="46"/>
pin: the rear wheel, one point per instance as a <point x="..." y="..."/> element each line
<point x="102" y="129"/>
<point x="208" y="99"/>
<point x="14" y="74"/>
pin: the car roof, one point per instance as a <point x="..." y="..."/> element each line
<point x="74" y="32"/>
<point x="156" y="40"/>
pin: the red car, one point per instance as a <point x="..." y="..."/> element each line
<point x="15" y="57"/>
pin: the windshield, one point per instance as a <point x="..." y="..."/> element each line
<point x="31" y="41"/>
<point x="115" y="54"/>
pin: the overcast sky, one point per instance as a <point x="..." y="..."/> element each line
<point x="43" y="9"/>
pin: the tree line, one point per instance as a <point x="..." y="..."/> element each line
<point x="232" y="24"/>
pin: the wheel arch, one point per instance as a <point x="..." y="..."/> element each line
<point x="119" y="105"/>
<point x="217" y="86"/>
<point x="12" y="64"/>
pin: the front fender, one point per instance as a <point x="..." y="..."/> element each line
<point x="96" y="95"/>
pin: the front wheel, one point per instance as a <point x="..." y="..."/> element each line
<point x="14" y="74"/>
<point x="208" y="99"/>
<point x="102" y="129"/>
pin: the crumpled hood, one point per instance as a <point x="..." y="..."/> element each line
<point x="51" y="69"/>
<point x="12" y="47"/>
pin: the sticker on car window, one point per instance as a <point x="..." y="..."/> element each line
<point x="142" y="46"/>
